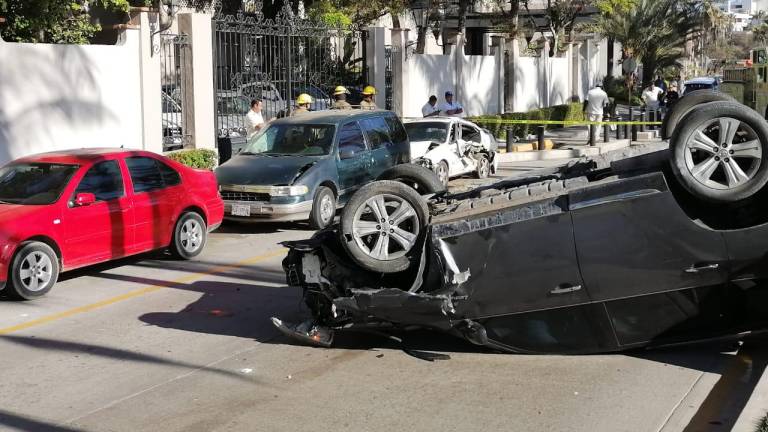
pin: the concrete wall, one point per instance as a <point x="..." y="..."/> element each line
<point x="67" y="96"/>
<point x="476" y="81"/>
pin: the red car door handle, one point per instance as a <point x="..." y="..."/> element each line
<point x="565" y="288"/>
<point x="701" y="268"/>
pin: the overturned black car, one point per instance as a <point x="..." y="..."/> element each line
<point x="642" y="247"/>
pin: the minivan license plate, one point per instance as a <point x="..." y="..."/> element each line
<point x="241" y="210"/>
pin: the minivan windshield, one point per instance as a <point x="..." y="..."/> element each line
<point x="34" y="183"/>
<point x="292" y="139"/>
<point x="427" y="131"/>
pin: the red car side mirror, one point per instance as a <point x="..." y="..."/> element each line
<point x="84" y="199"/>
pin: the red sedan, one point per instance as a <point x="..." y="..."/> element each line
<point x="69" y="209"/>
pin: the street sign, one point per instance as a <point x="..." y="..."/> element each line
<point x="629" y="65"/>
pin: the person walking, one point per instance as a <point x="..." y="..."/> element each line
<point x="254" y="120"/>
<point x="367" y="102"/>
<point x="430" y="109"/>
<point x="302" y="104"/>
<point x="451" y="108"/>
<point x="340" y="99"/>
<point x="594" y="106"/>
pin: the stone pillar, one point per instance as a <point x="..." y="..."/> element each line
<point x="198" y="80"/>
<point x="376" y="62"/>
<point x="151" y="107"/>
<point x="399" y="70"/>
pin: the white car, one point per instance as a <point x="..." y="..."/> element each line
<point x="452" y="147"/>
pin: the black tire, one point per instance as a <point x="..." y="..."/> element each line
<point x="684" y="106"/>
<point x="483" y="167"/>
<point x="442" y="173"/>
<point x="715" y="184"/>
<point x="23" y="285"/>
<point x="422" y="179"/>
<point x="318" y="217"/>
<point x="362" y="248"/>
<point x="189" y="236"/>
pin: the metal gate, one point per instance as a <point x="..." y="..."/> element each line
<point x="275" y="60"/>
<point x="175" y="51"/>
<point x="388" y="77"/>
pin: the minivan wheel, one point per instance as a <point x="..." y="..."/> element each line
<point x="382" y="226"/>
<point x="34" y="270"/>
<point x="323" y="208"/>
<point x="720" y="154"/>
<point x="189" y="236"/>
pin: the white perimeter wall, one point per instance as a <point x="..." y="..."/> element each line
<point x="475" y="81"/>
<point x="68" y="96"/>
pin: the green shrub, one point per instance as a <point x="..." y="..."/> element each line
<point x="569" y="112"/>
<point x="196" y="158"/>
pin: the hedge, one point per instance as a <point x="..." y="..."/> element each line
<point x="195" y="158"/>
<point x="568" y="112"/>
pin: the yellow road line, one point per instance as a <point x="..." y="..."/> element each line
<point x="136" y="293"/>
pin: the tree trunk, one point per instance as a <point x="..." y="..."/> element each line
<point x="649" y="70"/>
<point x="421" y="39"/>
<point x="463" y="6"/>
<point x="609" y="69"/>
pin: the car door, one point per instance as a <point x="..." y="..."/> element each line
<point x="644" y="257"/>
<point x="156" y="195"/>
<point x="382" y="146"/>
<point x="102" y="230"/>
<point x="748" y="251"/>
<point x="353" y="160"/>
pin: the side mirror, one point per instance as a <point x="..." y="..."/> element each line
<point x="84" y="199"/>
<point x="346" y="153"/>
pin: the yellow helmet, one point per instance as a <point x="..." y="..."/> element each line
<point x="303" y="99"/>
<point x="340" y="90"/>
<point x="369" y="90"/>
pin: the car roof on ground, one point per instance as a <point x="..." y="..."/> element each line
<point x="80" y="155"/>
<point x="331" y="116"/>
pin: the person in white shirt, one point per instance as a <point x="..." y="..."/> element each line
<point x="254" y="121"/>
<point x="430" y="108"/>
<point x="451" y="108"/>
<point x="651" y="96"/>
<point x="594" y="106"/>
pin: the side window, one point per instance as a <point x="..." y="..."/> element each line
<point x="144" y="174"/>
<point x="468" y="133"/>
<point x="378" y="132"/>
<point x="396" y="130"/>
<point x="351" y="138"/>
<point x="170" y="176"/>
<point x="103" y="180"/>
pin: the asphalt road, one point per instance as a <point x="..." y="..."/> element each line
<point x="149" y="344"/>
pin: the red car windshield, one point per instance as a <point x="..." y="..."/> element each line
<point x="34" y="183"/>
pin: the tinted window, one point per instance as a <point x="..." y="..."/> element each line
<point x="170" y="176"/>
<point x="103" y="180"/>
<point x="396" y="130"/>
<point x="145" y="174"/>
<point x="34" y="183"/>
<point x="378" y="132"/>
<point x="351" y="138"/>
<point x="292" y="139"/>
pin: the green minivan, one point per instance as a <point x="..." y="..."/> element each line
<point x="305" y="167"/>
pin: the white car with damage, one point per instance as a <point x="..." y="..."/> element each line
<point x="452" y="147"/>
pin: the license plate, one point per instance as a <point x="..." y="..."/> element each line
<point x="241" y="210"/>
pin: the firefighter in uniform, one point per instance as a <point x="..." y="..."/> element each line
<point x="340" y="96"/>
<point x="302" y="104"/>
<point x="367" y="102"/>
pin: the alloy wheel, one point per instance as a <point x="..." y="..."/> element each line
<point x="191" y="236"/>
<point x="36" y="271"/>
<point x="385" y="227"/>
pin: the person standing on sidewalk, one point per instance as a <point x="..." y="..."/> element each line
<point x="367" y="103"/>
<point x="451" y="108"/>
<point x="594" y="106"/>
<point x="254" y="121"/>
<point x="430" y="109"/>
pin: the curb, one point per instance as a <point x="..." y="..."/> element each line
<point x="567" y="152"/>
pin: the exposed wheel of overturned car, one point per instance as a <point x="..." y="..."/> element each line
<point x="382" y="225"/>
<point x="719" y="152"/>
<point x="422" y="179"/>
<point x="684" y="106"/>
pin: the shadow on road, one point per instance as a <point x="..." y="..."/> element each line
<point x="23" y="423"/>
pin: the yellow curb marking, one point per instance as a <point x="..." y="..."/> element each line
<point x="136" y="293"/>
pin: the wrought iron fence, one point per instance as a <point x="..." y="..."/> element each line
<point x="388" y="77"/>
<point x="174" y="59"/>
<point x="275" y="60"/>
